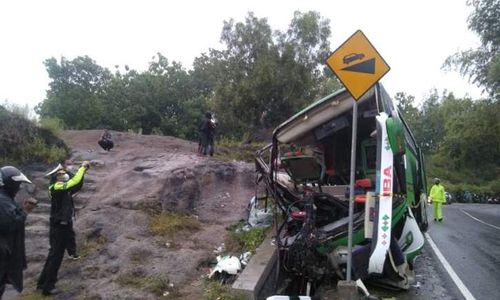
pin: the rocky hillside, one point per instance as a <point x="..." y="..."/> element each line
<point x="124" y="191"/>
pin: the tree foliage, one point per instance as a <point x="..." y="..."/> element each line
<point x="268" y="75"/>
<point x="460" y="137"/>
<point x="259" y="79"/>
<point x="76" y="93"/>
<point x="482" y="65"/>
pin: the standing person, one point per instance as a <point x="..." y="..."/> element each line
<point x="65" y="165"/>
<point x="106" y="140"/>
<point x="12" y="219"/>
<point x="207" y="133"/>
<point x="437" y="197"/>
<point x="61" y="226"/>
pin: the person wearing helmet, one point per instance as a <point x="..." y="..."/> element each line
<point x="60" y="225"/>
<point x="437" y="197"/>
<point x="66" y="166"/>
<point x="12" y="219"/>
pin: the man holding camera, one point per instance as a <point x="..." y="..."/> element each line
<point x="61" y="225"/>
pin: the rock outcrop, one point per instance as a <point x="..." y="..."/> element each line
<point x="142" y="176"/>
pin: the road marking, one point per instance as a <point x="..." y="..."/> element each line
<point x="496" y="227"/>
<point x="460" y="285"/>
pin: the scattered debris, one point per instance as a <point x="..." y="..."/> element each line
<point x="226" y="270"/>
<point x="245" y="258"/>
<point x="220" y="249"/>
<point x="259" y="217"/>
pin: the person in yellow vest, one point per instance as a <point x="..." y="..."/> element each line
<point x="437" y="197"/>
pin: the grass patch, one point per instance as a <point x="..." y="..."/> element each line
<point x="157" y="284"/>
<point x="216" y="291"/>
<point x="240" y="240"/>
<point x="168" y="223"/>
<point x="136" y="259"/>
<point x="227" y="149"/>
<point x="92" y="244"/>
<point x="32" y="296"/>
<point x="139" y="256"/>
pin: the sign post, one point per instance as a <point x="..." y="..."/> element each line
<point x="358" y="66"/>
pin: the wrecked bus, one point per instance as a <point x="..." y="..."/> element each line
<point x="305" y="173"/>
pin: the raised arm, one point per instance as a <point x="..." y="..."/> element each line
<point x="74" y="181"/>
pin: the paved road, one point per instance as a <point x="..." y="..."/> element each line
<point x="469" y="239"/>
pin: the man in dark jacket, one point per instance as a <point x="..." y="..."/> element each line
<point x="207" y="133"/>
<point x="61" y="226"/>
<point x="12" y="218"/>
<point x="106" y="141"/>
<point x="65" y="166"/>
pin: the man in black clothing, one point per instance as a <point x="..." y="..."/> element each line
<point x="65" y="166"/>
<point x="61" y="226"/>
<point x="106" y="141"/>
<point x="207" y="132"/>
<point x="12" y="218"/>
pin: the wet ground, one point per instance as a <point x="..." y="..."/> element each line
<point x="432" y="282"/>
<point x="469" y="239"/>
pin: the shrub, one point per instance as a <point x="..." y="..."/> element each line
<point x="22" y="142"/>
<point x="54" y="125"/>
<point x="240" y="240"/>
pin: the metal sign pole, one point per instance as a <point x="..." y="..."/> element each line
<point x="351" y="187"/>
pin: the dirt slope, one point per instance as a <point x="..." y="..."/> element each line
<point x="142" y="174"/>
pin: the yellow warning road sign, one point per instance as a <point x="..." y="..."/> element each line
<point x="357" y="64"/>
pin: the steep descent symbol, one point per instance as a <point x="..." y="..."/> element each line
<point x="367" y="66"/>
<point x="357" y="64"/>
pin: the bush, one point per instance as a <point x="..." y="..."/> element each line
<point x="240" y="240"/>
<point x="54" y="125"/>
<point x="22" y="142"/>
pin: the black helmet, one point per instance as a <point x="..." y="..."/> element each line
<point x="208" y="115"/>
<point x="11" y="179"/>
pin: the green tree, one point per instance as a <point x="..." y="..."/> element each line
<point x="430" y="126"/>
<point x="482" y="65"/>
<point x="411" y="114"/>
<point x="76" y="92"/>
<point x="264" y="77"/>
<point x="461" y="138"/>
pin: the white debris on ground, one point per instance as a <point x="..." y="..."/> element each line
<point x="259" y="217"/>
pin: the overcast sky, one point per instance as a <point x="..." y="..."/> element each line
<point x="414" y="37"/>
